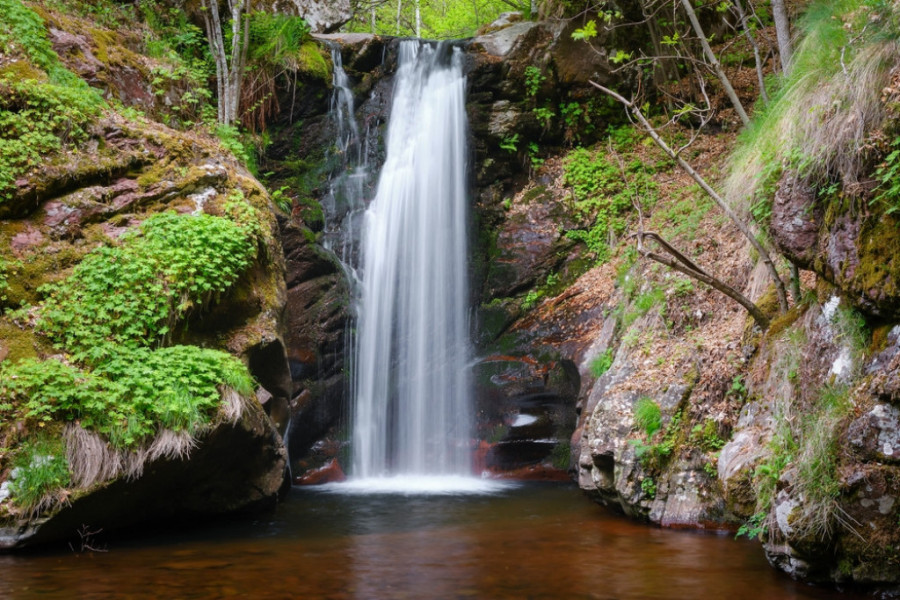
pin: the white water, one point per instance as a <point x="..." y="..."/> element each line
<point x="411" y="415"/>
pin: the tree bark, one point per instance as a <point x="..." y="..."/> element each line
<point x="783" y="33"/>
<point x="714" y="62"/>
<point x="752" y="39"/>
<point x="763" y="253"/>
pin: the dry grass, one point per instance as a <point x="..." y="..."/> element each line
<point x="822" y="122"/>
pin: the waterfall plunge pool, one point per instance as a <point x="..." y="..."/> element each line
<point x="526" y="541"/>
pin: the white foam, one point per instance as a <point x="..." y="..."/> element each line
<point x="522" y="420"/>
<point x="417" y="485"/>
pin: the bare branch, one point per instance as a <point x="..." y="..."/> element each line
<point x="742" y="227"/>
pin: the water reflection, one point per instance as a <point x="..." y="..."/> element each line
<point x="542" y="541"/>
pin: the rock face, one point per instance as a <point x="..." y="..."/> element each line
<point x="126" y="171"/>
<point x="856" y="248"/>
<point x="323" y="16"/>
<point x="525" y="414"/>
<point x="237" y="464"/>
<point x="831" y="512"/>
<point x="318" y="305"/>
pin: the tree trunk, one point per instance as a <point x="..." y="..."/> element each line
<point x="763" y="253"/>
<point x="418" y="21"/>
<point x="752" y="39"/>
<point x="783" y="32"/>
<point x="217" y="49"/>
<point x="714" y="62"/>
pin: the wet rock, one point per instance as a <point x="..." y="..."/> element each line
<point x="235" y="465"/>
<point x="525" y="411"/>
<point x="317" y="316"/>
<point x="330" y="473"/>
<point x="529" y="245"/>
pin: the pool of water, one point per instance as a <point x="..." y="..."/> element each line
<point x="529" y="541"/>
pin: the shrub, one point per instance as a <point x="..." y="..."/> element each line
<point x="648" y="415"/>
<point x="601" y="363"/>
<point x="40" y="467"/>
<point x="819" y="122"/>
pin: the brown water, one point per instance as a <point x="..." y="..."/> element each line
<point x="536" y="541"/>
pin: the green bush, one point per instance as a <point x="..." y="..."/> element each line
<point x="601" y="363"/>
<point x="647" y="415"/>
<point x="604" y="194"/>
<point x="129" y="398"/>
<point x="41" y="467"/>
<point x="132" y="294"/>
<point x="37" y="117"/>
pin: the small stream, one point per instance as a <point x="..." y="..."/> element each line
<point x="530" y="541"/>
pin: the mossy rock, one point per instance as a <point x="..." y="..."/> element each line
<point x="314" y="62"/>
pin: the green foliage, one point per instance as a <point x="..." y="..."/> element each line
<point x="648" y="486"/>
<point x="544" y="115"/>
<point x="510" y="143"/>
<point x="38" y="117"/>
<point x="231" y="139"/>
<point x="40" y="468"/>
<point x="647" y="415"/>
<point x="22" y="31"/>
<point x="754" y="528"/>
<point x="586" y="33"/>
<point x="132" y="294"/>
<point x="108" y="13"/>
<point x="653" y="297"/>
<point x="533" y="80"/>
<point x="602" y="362"/>
<point x="277" y="39"/>
<point x="838" y="73"/>
<point x="128" y="398"/>
<point x="808" y="445"/>
<point x="706" y="436"/>
<point x="282" y="200"/>
<point x="604" y="191"/>
<point x="440" y="19"/>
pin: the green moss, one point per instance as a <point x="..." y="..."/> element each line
<point x="18" y="343"/>
<point x="784" y="321"/>
<point x="878" y="272"/>
<point x="22" y="69"/>
<point x="314" y="62"/>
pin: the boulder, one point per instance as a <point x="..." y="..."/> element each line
<point x="237" y="463"/>
<point x="323" y="16"/>
<point x="855" y="248"/>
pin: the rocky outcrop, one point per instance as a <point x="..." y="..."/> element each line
<point x="318" y="312"/>
<point x="92" y="200"/>
<point x="238" y="463"/>
<point x="323" y="16"/>
<point x="525" y="411"/>
<point x="815" y="451"/>
<point x="850" y="242"/>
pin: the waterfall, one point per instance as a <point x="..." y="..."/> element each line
<point x="411" y="413"/>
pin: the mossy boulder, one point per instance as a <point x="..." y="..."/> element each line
<point x="850" y="242"/>
<point x="144" y="354"/>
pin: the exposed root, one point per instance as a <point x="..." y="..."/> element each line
<point x="91" y="459"/>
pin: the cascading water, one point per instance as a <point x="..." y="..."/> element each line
<point x="411" y="414"/>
